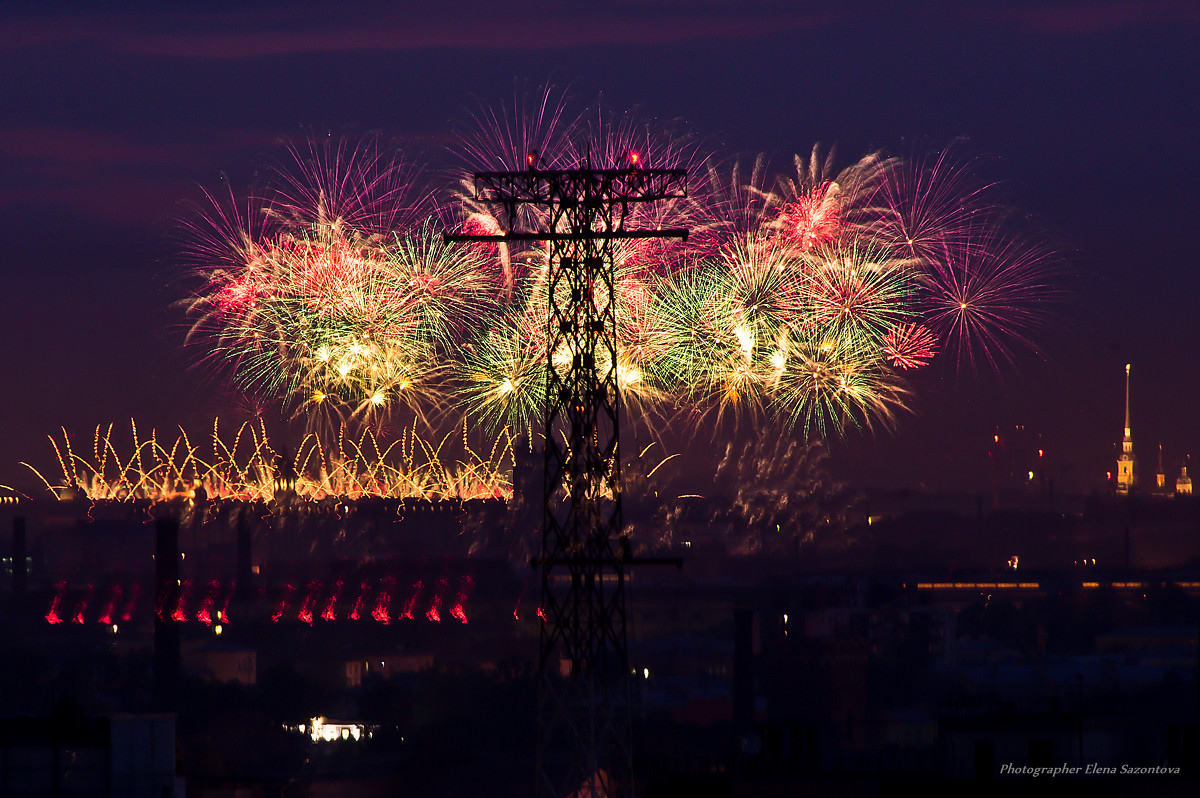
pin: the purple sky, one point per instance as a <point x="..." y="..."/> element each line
<point x="1088" y="112"/>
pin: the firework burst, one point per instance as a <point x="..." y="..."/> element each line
<point x="807" y="298"/>
<point x="989" y="296"/>
<point x="909" y="346"/>
<point x="330" y="297"/>
<point x="502" y="377"/>
<point x="819" y="206"/>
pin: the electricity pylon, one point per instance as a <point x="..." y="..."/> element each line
<point x="584" y="745"/>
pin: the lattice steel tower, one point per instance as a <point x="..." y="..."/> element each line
<point x="584" y="743"/>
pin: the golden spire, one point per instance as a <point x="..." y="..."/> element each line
<point x="1127" y="435"/>
<point x="1125" y="461"/>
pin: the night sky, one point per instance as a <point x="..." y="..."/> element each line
<point x="1086" y="112"/>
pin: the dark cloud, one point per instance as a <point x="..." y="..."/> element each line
<point x="294" y="29"/>
<point x="1087" y="18"/>
<point x="119" y="178"/>
<point x="489" y="25"/>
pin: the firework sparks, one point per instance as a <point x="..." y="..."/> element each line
<point x="909" y="346"/>
<point x="383" y="601"/>
<point x="245" y="468"/>
<point x="332" y="296"/>
<point x="805" y="298"/>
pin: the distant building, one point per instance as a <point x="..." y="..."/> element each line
<point x="1126" y="477"/>
<point x="1183" y="485"/>
<point x="385" y="666"/>
<point x="222" y="662"/>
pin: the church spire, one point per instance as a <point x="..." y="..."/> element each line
<point x="1127" y="435"/>
<point x="1125" y="461"/>
<point x="1160" y="478"/>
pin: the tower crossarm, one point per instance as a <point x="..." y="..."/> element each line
<point x="602" y="235"/>
<point x="570" y="186"/>
<point x="589" y="189"/>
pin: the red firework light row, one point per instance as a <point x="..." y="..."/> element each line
<point x="382" y="602"/>
<point x="207" y="603"/>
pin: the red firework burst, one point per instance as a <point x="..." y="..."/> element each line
<point x="811" y="219"/>
<point x="909" y="346"/>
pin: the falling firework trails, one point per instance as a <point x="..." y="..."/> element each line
<point x="330" y="611"/>
<point x="108" y="613"/>
<point x="434" y="613"/>
<point x="411" y="602"/>
<point x="466" y="584"/>
<point x="310" y="599"/>
<point x="106" y="617"/>
<point x="803" y="297"/>
<point x="134" y="594"/>
<point x="81" y="609"/>
<point x="356" y="613"/>
<point x="284" y="600"/>
<point x="205" y="614"/>
<point x="53" y="616"/>
<point x="180" y="613"/>
<point x="223" y="613"/>
<point x="384" y="600"/>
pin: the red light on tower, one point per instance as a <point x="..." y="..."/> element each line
<point x="634" y="160"/>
